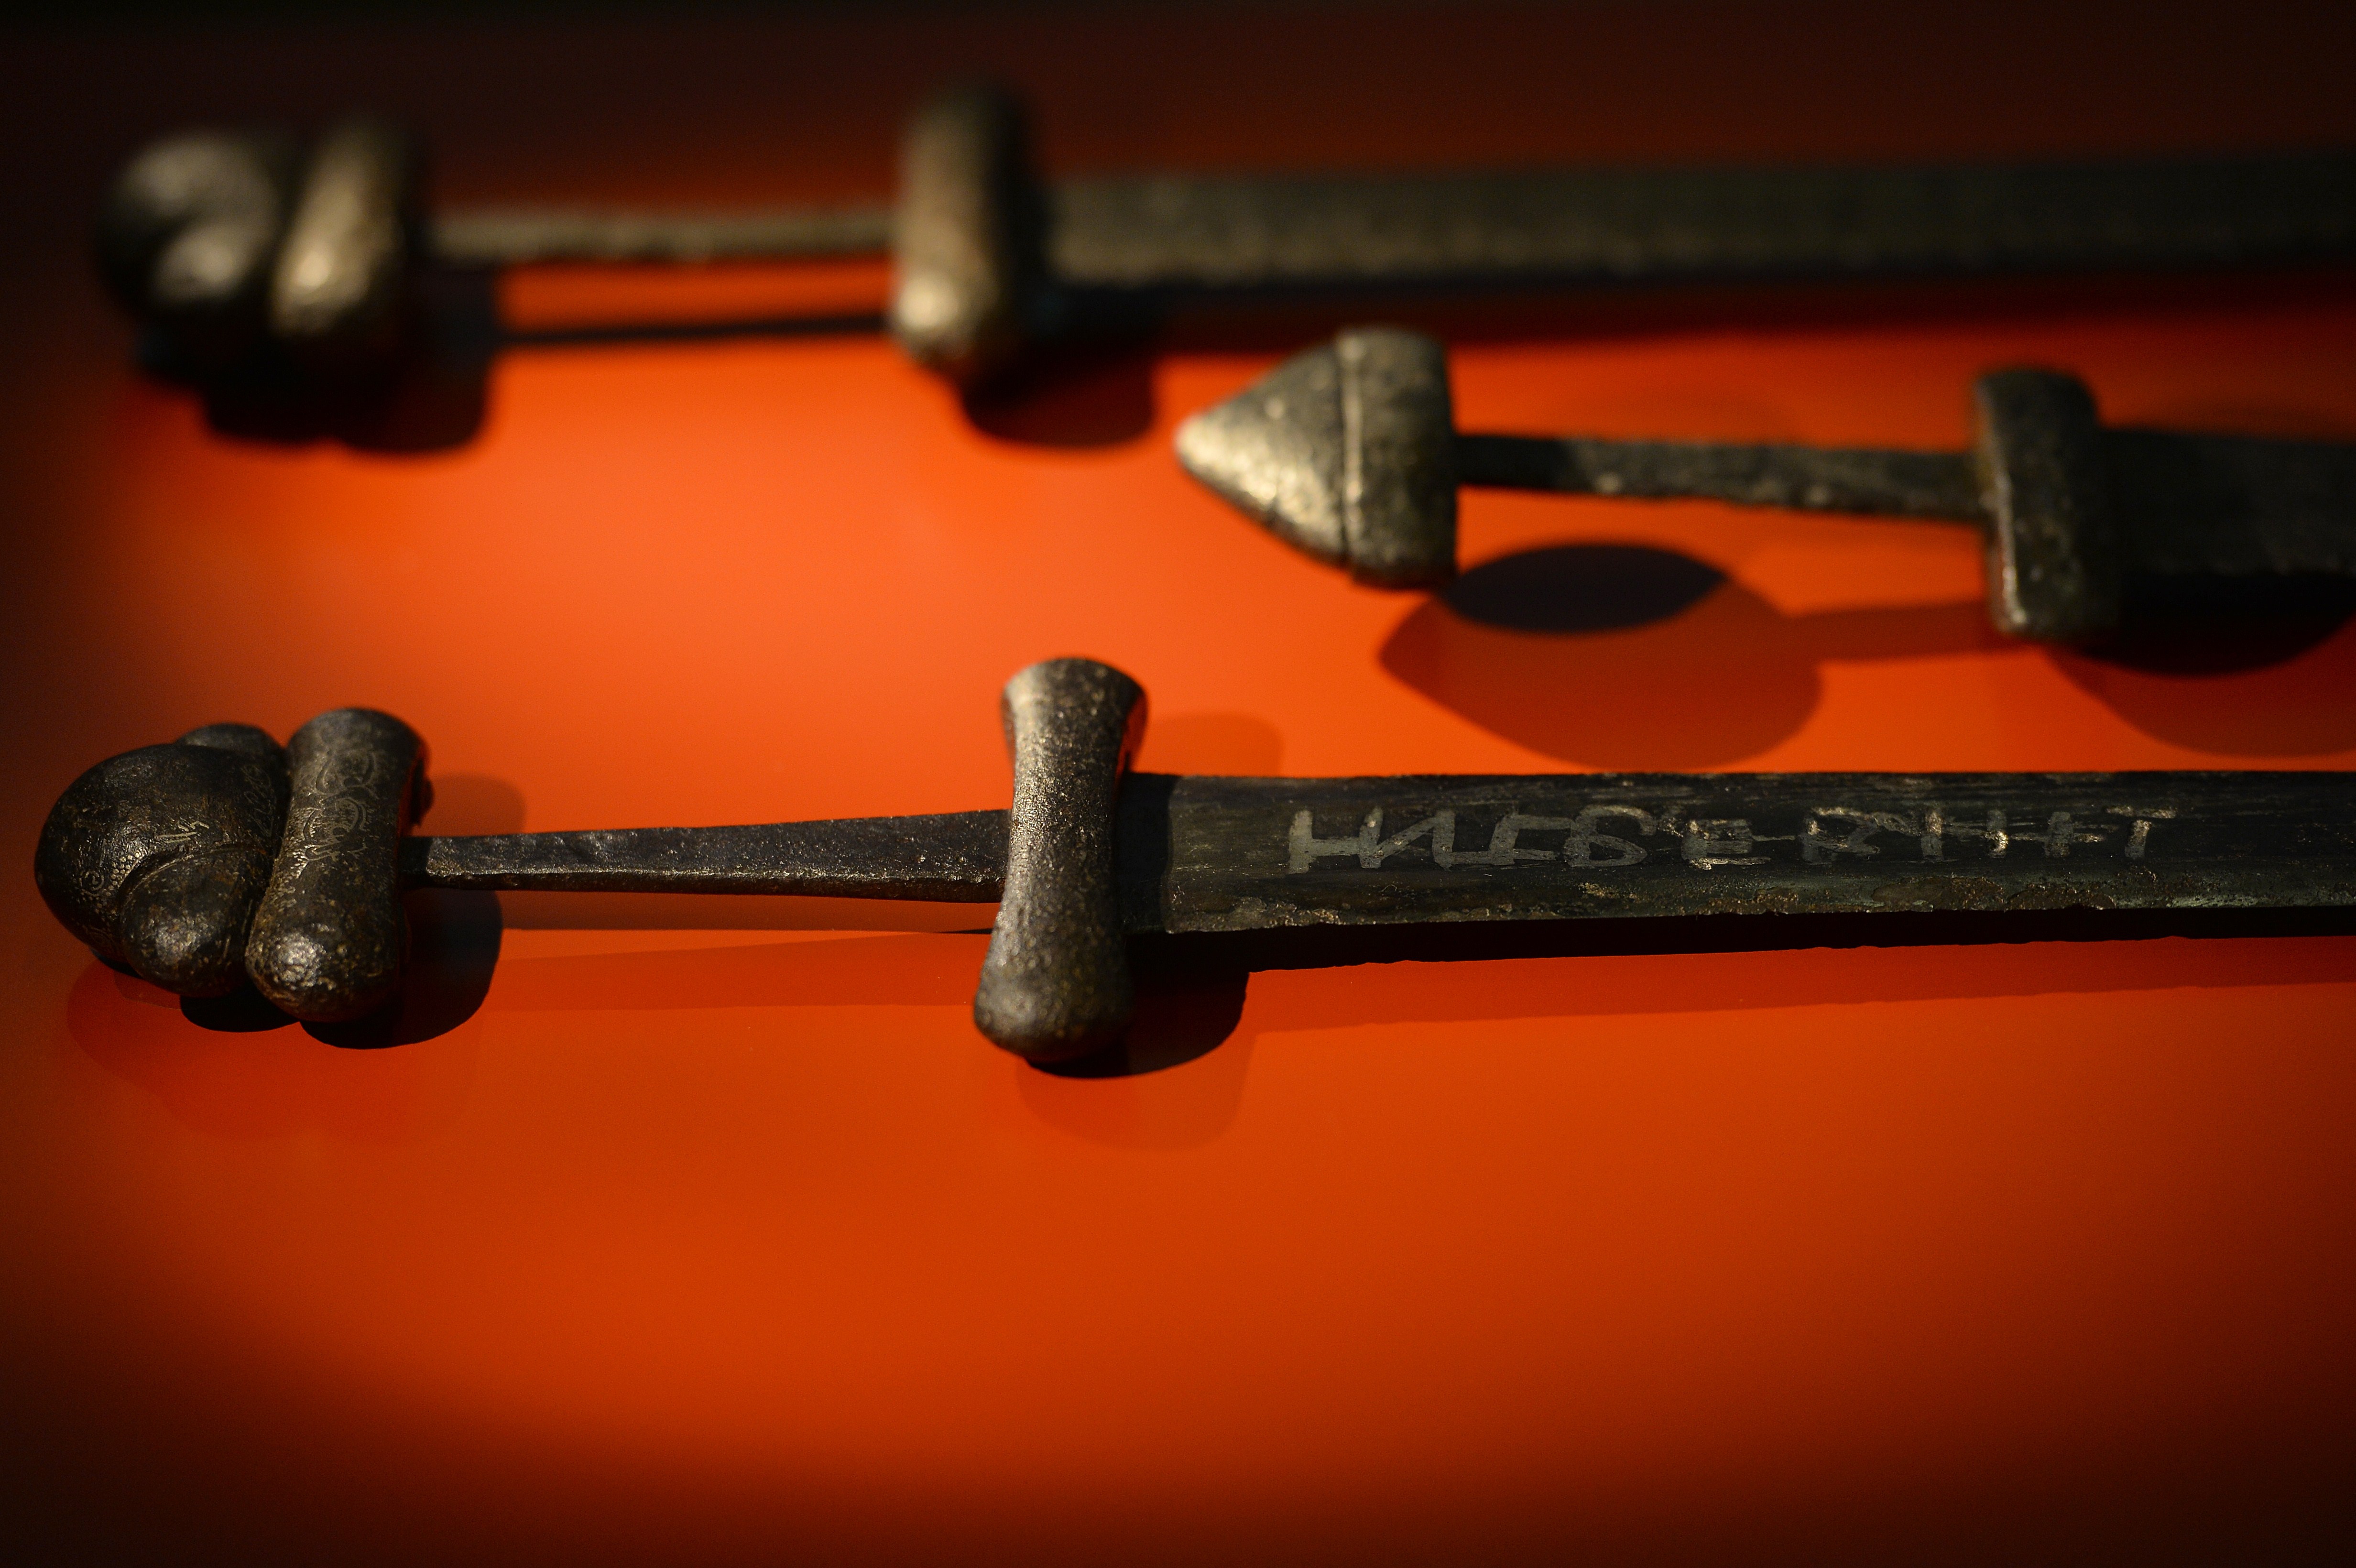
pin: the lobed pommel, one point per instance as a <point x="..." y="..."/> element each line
<point x="224" y="244"/>
<point x="158" y="857"/>
<point x="222" y="857"/>
<point x="1056" y="984"/>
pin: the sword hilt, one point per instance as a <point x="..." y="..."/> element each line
<point x="221" y="857"/>
<point x="1348" y="451"/>
<point x="234" y="248"/>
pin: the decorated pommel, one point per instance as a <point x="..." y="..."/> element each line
<point x="970" y="289"/>
<point x="1055" y="983"/>
<point x="222" y="857"/>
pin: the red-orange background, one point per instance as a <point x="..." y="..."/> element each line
<point x="725" y="1237"/>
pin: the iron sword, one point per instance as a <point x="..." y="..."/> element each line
<point x="222" y="857"/>
<point x="228" y="244"/>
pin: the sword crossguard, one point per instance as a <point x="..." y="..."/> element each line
<point x="1056" y="984"/>
<point x="2053" y="570"/>
<point x="222" y="858"/>
<point x="970" y="291"/>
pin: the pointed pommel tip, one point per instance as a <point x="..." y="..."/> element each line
<point x="970" y="288"/>
<point x="1056" y="984"/>
<point x="158" y="857"/>
<point x="2053" y="572"/>
<point x="1347" y="452"/>
<point x="330" y="937"/>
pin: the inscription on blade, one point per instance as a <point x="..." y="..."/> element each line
<point x="1821" y="836"/>
<point x="1249" y="853"/>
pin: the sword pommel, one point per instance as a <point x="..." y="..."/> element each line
<point x="331" y="938"/>
<point x="158" y="857"/>
<point x="1055" y="983"/>
<point x="1346" y="451"/>
<point x="339" y="291"/>
<point x="186" y="239"/>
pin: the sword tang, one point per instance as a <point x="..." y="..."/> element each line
<point x="959" y="857"/>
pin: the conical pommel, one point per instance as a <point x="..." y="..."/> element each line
<point x="1347" y="452"/>
<point x="1055" y="982"/>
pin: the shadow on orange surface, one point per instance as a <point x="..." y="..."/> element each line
<point x="2257" y="675"/>
<point x="1633" y="658"/>
<point x="262" y="1083"/>
<point x="1622" y="656"/>
<point x="1197" y="994"/>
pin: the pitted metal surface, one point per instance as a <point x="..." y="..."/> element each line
<point x="1620" y="225"/>
<point x="1055" y="982"/>
<point x="179" y="839"/>
<point x="330" y="938"/>
<point x="1346" y="451"/>
<point x="158" y="857"/>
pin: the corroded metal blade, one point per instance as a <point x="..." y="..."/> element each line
<point x="1669" y="224"/>
<point x="1238" y="854"/>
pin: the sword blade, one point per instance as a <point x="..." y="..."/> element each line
<point x="1239" y="854"/>
<point x="1204" y="853"/>
<point x="1669" y="224"/>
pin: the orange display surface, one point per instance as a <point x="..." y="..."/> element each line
<point x="698" y="1230"/>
